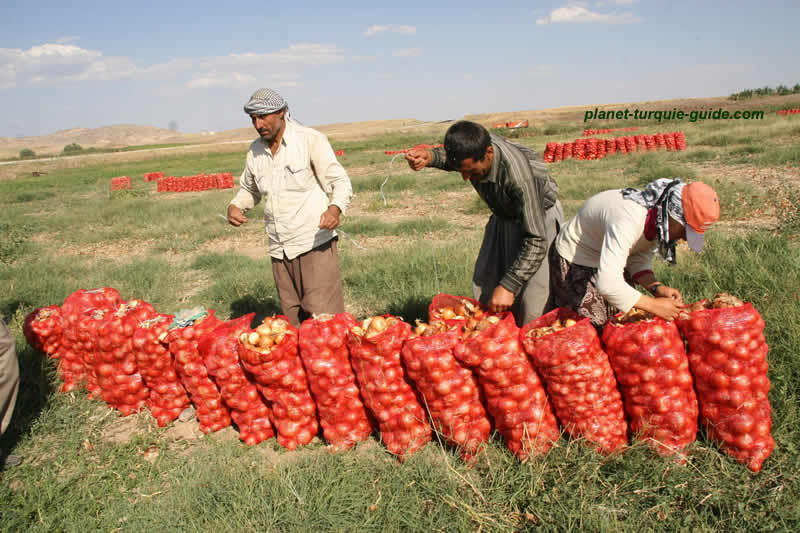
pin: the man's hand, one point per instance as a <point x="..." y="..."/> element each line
<point x="501" y="300"/>
<point x="663" y="291"/>
<point x="330" y="218"/>
<point x="236" y="216"/>
<point x="419" y="158"/>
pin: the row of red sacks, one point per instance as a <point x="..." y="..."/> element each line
<point x="200" y="182"/>
<point x="512" y="124"/>
<point x="428" y="146"/>
<point x="593" y="148"/>
<point x="324" y="374"/>
<point x="153" y="176"/>
<point x="587" y="133"/>
<point x="785" y="112"/>
<point x="120" y="182"/>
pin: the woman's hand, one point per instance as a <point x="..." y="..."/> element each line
<point x="664" y="307"/>
<point x="662" y="291"/>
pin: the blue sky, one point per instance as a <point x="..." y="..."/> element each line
<point x="91" y="64"/>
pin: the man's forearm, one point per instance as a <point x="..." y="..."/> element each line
<point x="532" y="253"/>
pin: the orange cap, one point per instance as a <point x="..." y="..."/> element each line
<point x="700" y="209"/>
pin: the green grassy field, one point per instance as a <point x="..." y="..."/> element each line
<point x="85" y="468"/>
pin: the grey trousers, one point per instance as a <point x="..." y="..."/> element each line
<point x="500" y="247"/>
<point x="9" y="376"/>
<point x="311" y="283"/>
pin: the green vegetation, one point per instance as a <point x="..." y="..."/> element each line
<point x="765" y="91"/>
<point x="27" y="153"/>
<point x="72" y="148"/>
<point x="84" y="468"/>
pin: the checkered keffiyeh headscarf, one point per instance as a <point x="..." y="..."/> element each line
<point x="665" y="195"/>
<point x="264" y="102"/>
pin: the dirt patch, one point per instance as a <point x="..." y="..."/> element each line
<point x="114" y="251"/>
<point x="183" y="431"/>
<point x="121" y="430"/>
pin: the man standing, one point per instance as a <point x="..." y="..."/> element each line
<point x="511" y="272"/>
<point x="9" y="387"/>
<point x="305" y="190"/>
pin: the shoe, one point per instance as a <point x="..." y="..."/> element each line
<point x="12" y="460"/>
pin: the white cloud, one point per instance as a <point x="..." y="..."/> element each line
<point x="618" y="2"/>
<point x="407" y="52"/>
<point x="392" y="28"/>
<point x="248" y="69"/>
<point x="576" y="13"/>
<point x="53" y="63"/>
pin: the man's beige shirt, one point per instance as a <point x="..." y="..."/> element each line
<point x="297" y="184"/>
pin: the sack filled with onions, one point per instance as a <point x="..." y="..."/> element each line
<point x="728" y="358"/>
<point x="185" y="331"/>
<point x="43" y="328"/>
<point x="219" y="350"/>
<point x="375" y="346"/>
<point x="71" y="367"/>
<point x="117" y="374"/>
<point x="514" y="394"/>
<point x="652" y="369"/>
<point x="566" y="351"/>
<point x="167" y="398"/>
<point x="449" y="389"/>
<point x="326" y="358"/>
<point x="270" y="354"/>
<point x="456" y="310"/>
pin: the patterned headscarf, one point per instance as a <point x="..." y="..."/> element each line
<point x="264" y="102"/>
<point x="664" y="195"/>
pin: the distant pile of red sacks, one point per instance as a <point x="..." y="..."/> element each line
<point x="338" y="153"/>
<point x="120" y="182"/>
<point x="428" y="146"/>
<point x="512" y="124"/>
<point x="153" y="176"/>
<point x="592" y="148"/>
<point x="199" y="182"/>
<point x="785" y="112"/>
<point x="587" y="133"/>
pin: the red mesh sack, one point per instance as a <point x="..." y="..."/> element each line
<point x="652" y="370"/>
<point x="85" y="344"/>
<point x="455" y="310"/>
<point x="728" y="357"/>
<point x="117" y="374"/>
<point x="449" y="390"/>
<point x="270" y="355"/>
<point x="43" y="328"/>
<point x="387" y="392"/>
<point x="326" y="358"/>
<point x="182" y="337"/>
<point x="568" y="148"/>
<point x="579" y="378"/>
<point x="71" y="368"/>
<point x="249" y="411"/>
<point x="167" y="397"/>
<point x="514" y="394"/>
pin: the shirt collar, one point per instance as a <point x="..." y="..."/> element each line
<point x="287" y="139"/>
<point x="492" y="175"/>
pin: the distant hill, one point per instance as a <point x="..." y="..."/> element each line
<point x="135" y="135"/>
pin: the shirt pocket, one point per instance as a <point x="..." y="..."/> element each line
<point x="297" y="178"/>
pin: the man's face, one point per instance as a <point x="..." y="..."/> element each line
<point x="269" y="126"/>
<point x="477" y="170"/>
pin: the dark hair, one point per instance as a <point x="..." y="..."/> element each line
<point x="465" y="140"/>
